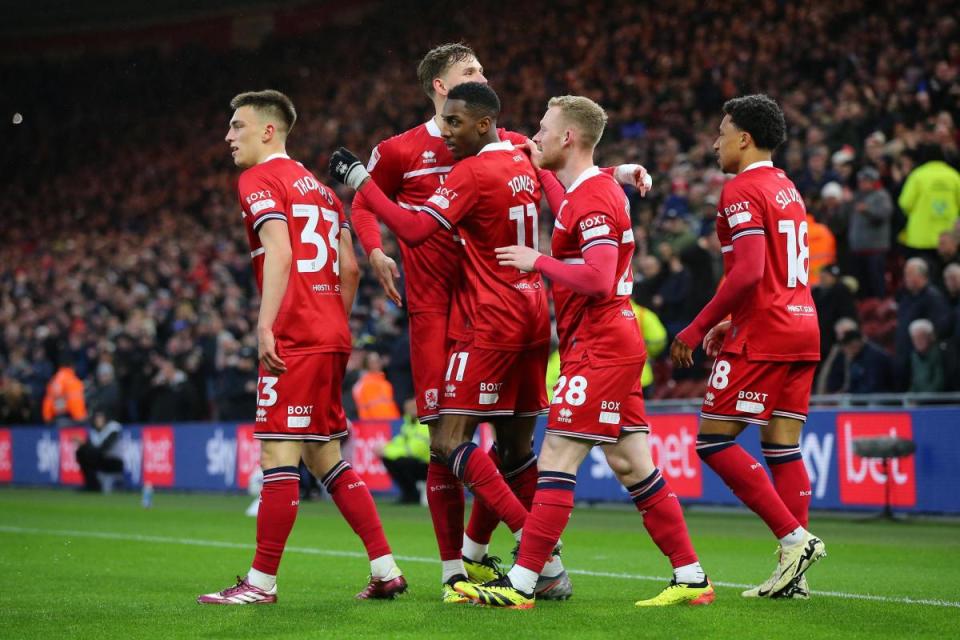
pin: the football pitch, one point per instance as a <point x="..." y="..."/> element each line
<point x="91" y="566"/>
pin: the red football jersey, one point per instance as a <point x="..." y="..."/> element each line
<point x="779" y="320"/>
<point x="491" y="198"/>
<point x="595" y="211"/>
<point x="408" y="168"/>
<point x="311" y="317"/>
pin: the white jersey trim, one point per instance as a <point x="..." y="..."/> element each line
<point x="258" y="252"/>
<point x="274" y="156"/>
<point x="503" y="145"/>
<point x="433" y="128"/>
<point x="425" y="172"/>
<point x="757" y="165"/>
<point x="583" y="177"/>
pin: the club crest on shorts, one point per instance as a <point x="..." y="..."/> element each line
<point x="431" y="398"/>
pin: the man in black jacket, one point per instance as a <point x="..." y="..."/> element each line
<point x="917" y="299"/>
<point x="834" y="301"/>
<point x="101" y="452"/>
<point x="865" y="367"/>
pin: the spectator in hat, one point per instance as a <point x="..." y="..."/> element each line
<point x="869" y="234"/>
<point x="833" y="301"/>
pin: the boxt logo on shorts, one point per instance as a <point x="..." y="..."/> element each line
<point x="862" y="480"/>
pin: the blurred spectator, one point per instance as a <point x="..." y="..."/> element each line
<point x="672" y="300"/>
<point x="373" y="393"/>
<point x="64" y="403"/>
<point x="917" y="300"/>
<point x="822" y="245"/>
<point x="833" y="301"/>
<point x="834" y="359"/>
<point x="863" y="368"/>
<point x="169" y="398"/>
<point x="817" y="174"/>
<point x="100" y="454"/>
<point x="654" y="339"/>
<point x="105" y="395"/>
<point x="948" y="252"/>
<point x="350" y="377"/>
<point x="14" y="401"/>
<point x="926" y="359"/>
<point x="649" y="280"/>
<point x="236" y="392"/>
<point x="869" y="237"/>
<point x="931" y="201"/>
<point x="406" y="456"/>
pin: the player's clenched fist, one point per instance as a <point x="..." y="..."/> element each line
<point x="346" y="168"/>
<point x="522" y="258"/>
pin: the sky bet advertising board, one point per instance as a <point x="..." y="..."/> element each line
<point x="222" y="456"/>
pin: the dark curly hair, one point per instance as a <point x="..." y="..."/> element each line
<point x="480" y="99"/>
<point x="761" y="117"/>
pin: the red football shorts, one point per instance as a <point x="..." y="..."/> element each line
<point x="597" y="403"/>
<point x="754" y="391"/>
<point x="487" y="383"/>
<point x="304" y="403"/>
<point x="429" y="348"/>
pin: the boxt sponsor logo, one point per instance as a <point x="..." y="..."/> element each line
<point x="862" y="480"/>
<point x="158" y="456"/>
<point x="70" y="440"/>
<point x="6" y="456"/>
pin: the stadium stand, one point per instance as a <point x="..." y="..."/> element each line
<point x="123" y="254"/>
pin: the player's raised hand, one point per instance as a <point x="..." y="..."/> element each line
<point x="345" y="167"/>
<point x="385" y="270"/>
<point x="715" y="337"/>
<point x="517" y="256"/>
<point x="267" y="352"/>
<point x="635" y="175"/>
<point x="532" y="150"/>
<point x="680" y="354"/>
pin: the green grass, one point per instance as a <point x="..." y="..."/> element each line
<point x="136" y="572"/>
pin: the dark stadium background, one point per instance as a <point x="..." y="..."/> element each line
<point x="122" y="249"/>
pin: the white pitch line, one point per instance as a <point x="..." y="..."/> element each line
<point x="135" y="537"/>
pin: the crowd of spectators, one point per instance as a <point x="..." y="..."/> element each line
<point x="124" y="255"/>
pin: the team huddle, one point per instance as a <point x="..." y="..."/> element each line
<point x="462" y="196"/>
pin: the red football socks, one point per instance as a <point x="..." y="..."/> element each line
<point x="663" y="519"/>
<point x="551" y="510"/>
<point x="355" y="503"/>
<point x="483" y="519"/>
<point x="279" y="499"/>
<point x="477" y="471"/>
<point x="446" y="501"/>
<point x="748" y="481"/>
<point x="790" y="478"/>
<point x="522" y="480"/>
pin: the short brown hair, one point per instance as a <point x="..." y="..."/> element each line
<point x="585" y="114"/>
<point x="271" y="102"/>
<point x="438" y="60"/>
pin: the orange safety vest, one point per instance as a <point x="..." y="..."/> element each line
<point x="373" y="394"/>
<point x="64" y="396"/>
<point x="823" y="248"/>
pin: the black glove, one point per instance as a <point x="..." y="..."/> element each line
<point x="346" y="168"/>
